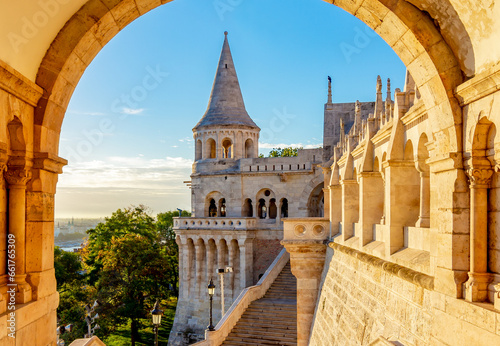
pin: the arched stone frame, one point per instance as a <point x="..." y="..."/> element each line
<point x="273" y="209"/>
<point x="314" y="202"/>
<point x="263" y="198"/>
<point x="222" y="208"/>
<point x="306" y="192"/>
<point x="210" y="148"/>
<point x="227" y="148"/>
<point x="247" y="208"/>
<point x="283" y="208"/>
<point x="249" y="149"/>
<point x="480" y="162"/>
<point x="214" y="196"/>
<point x="198" y="153"/>
<point x="411" y="33"/>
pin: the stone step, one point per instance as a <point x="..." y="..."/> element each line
<point x="271" y="320"/>
<point x="259" y="338"/>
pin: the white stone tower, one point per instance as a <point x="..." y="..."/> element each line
<point x="226" y="131"/>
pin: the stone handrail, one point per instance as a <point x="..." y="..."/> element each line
<point x="248" y="295"/>
<point x="223" y="223"/>
<point x="93" y="341"/>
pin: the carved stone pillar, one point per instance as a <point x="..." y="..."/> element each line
<point x="183" y="267"/>
<point x="246" y="262"/>
<point x="230" y="281"/>
<point x="201" y="281"/>
<point x="350" y="207"/>
<point x="335" y="214"/>
<point x="17" y="178"/>
<point x="371" y="204"/>
<point x="307" y="258"/>
<point x="476" y="288"/>
<point x="424" y="219"/>
<point x="3" y="232"/>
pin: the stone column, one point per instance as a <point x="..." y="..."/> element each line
<point x="17" y="178"/>
<point x="335" y="211"/>
<point x="476" y="288"/>
<point x="371" y="204"/>
<point x="230" y="281"/>
<point x="307" y="258"/>
<point x="201" y="281"/>
<point x="211" y="271"/>
<point x="424" y="219"/>
<point x="350" y="207"/>
<point x="246" y="262"/>
<point x="3" y="234"/>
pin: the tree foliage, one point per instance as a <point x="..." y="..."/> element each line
<point x="129" y="261"/>
<point x="285" y="152"/>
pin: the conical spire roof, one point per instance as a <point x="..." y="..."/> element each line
<point x="226" y="106"/>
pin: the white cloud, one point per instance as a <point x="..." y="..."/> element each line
<point x="293" y="145"/>
<point x="86" y="113"/>
<point x="186" y="139"/>
<point x="132" y="111"/>
<point x="127" y="173"/>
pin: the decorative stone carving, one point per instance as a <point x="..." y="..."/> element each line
<point x="17" y="176"/>
<point x="479" y="176"/>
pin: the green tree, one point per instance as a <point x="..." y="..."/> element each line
<point x="67" y="266"/>
<point x="132" y="220"/>
<point x="165" y="225"/>
<point x="72" y="292"/>
<point x="131" y="260"/>
<point x="285" y="152"/>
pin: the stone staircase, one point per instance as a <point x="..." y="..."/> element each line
<point x="271" y="320"/>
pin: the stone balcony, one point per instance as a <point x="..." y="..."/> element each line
<point x="215" y="223"/>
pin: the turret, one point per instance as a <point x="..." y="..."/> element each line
<point x="226" y="131"/>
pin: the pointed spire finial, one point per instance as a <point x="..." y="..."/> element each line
<point x="225" y="33"/>
<point x="329" y="89"/>
<point x="379" y="84"/>
<point x="388" y="89"/>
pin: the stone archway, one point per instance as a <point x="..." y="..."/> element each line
<point x="410" y="32"/>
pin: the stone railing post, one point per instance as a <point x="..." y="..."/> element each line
<point x="304" y="239"/>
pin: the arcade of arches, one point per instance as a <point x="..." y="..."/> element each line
<point x="443" y="170"/>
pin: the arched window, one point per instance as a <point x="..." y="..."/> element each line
<point x="210" y="149"/>
<point x="198" y="150"/>
<point x="249" y="148"/>
<point x="262" y="210"/>
<point x="227" y="149"/>
<point x="284" y="208"/>
<point x="247" y="210"/>
<point x="273" y="210"/>
<point x="222" y="207"/>
<point x="212" y="209"/>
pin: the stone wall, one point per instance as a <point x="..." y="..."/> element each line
<point x="363" y="297"/>
<point x="264" y="253"/>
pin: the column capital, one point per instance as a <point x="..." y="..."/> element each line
<point x="479" y="177"/>
<point x="17" y="176"/>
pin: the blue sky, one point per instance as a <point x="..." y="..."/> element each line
<point x="128" y="129"/>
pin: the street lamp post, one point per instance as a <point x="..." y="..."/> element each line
<point x="156" y="314"/>
<point x="221" y="275"/>
<point x="211" y="291"/>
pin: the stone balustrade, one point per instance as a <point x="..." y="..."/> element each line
<point x="306" y="229"/>
<point x="213" y="223"/>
